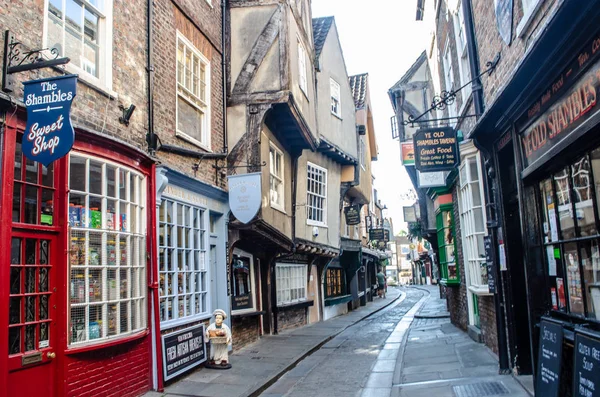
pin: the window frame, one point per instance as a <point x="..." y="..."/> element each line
<point x="342" y="282"/>
<point x="316" y="196"/>
<point x="335" y="94"/>
<point x="135" y="235"/>
<point x="444" y="260"/>
<point x="469" y="234"/>
<point x="302" y="268"/>
<point x="302" y="68"/>
<point x="200" y="246"/>
<point x="362" y="152"/>
<point x="183" y="92"/>
<point x="280" y="178"/>
<point x="250" y="257"/>
<point x="449" y="78"/>
<point x="530" y="9"/>
<point x="103" y="82"/>
<point x="461" y="47"/>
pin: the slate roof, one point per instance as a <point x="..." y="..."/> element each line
<point x="321" y="27"/>
<point x="358" y="85"/>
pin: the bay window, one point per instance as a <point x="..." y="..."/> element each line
<point x="107" y="255"/>
<point x="291" y="283"/>
<point x="182" y="262"/>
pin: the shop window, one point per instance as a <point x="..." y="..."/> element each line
<point x="334" y="282"/>
<point x="291" y="283"/>
<point x="569" y="200"/>
<point x="81" y="30"/>
<point x="182" y="263"/>
<point x="33" y="191"/>
<point x="242" y="281"/>
<point x="446" y="244"/>
<point x="193" y="94"/>
<point x="107" y="256"/>
<point x="316" y="195"/>
<point x="472" y="222"/>
<point x="276" y="177"/>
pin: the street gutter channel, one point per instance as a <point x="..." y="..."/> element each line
<point x="399" y="299"/>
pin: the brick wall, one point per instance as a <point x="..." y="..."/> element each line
<point x="201" y="25"/>
<point x="487" y="318"/>
<point x="246" y="330"/>
<point x="113" y="371"/>
<point x="291" y="318"/>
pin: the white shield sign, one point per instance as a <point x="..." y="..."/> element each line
<point x="244" y="195"/>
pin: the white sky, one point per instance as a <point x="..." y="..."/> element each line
<point x="383" y="39"/>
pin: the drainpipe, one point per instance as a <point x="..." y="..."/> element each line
<point x="476" y="87"/>
<point x="150" y="76"/>
<point x="224" y="72"/>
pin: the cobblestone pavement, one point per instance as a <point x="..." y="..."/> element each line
<point x="354" y="362"/>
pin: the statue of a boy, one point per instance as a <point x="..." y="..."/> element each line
<point x="219" y="335"/>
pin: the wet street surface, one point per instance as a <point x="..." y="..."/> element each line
<point x="357" y="361"/>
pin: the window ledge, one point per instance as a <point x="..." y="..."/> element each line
<point x="315" y="223"/>
<point x="278" y="208"/>
<point x="91" y="81"/>
<point x="450" y="283"/>
<point x="106" y="343"/>
<point x="336" y="300"/>
<point x="298" y="305"/>
<point x="193" y="141"/>
<point x="181" y="321"/>
<point x="337" y="116"/>
<point x="480" y="290"/>
<point x="527" y="19"/>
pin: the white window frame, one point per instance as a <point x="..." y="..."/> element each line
<point x="124" y="236"/>
<point x="336" y="102"/>
<point x="362" y="152"/>
<point x="192" y="99"/>
<point x="192" y="249"/>
<point x="250" y="257"/>
<point x="289" y="277"/>
<point x="449" y="78"/>
<point x="313" y="196"/>
<point x="530" y="9"/>
<point x="105" y="46"/>
<point x="461" y="47"/>
<point x="302" y="69"/>
<point x="279" y="204"/>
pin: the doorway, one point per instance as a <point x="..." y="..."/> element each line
<point x="515" y="274"/>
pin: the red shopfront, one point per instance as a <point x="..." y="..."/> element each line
<point x="74" y="309"/>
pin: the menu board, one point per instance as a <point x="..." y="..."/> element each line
<point x="491" y="269"/>
<point x="183" y="350"/>
<point x="549" y="359"/>
<point x="586" y="376"/>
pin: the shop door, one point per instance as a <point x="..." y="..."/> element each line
<point x="32" y="314"/>
<point x="516" y="294"/>
<point x="313" y="293"/>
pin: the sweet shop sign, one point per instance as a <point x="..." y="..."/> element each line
<point x="49" y="134"/>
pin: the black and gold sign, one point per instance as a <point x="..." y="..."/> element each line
<point x="352" y="214"/>
<point x="436" y="149"/>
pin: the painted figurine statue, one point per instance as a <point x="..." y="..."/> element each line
<point x="219" y="335"/>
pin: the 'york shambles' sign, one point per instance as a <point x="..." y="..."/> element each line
<point x="49" y="134"/>
<point x="436" y="149"/>
<point x="567" y="103"/>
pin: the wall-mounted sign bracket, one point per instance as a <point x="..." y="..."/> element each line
<point x="18" y="58"/>
<point x="445" y="98"/>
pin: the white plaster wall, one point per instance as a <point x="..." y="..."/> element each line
<point x="334" y="311"/>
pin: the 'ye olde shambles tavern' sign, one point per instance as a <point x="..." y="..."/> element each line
<point x="565" y="104"/>
<point x="436" y="149"/>
<point x="244" y="195"/>
<point x="49" y="134"/>
<point x="183" y="350"/>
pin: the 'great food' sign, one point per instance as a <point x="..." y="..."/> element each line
<point x="49" y="134"/>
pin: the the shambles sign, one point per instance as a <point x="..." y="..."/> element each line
<point x="49" y="134"/>
<point x="436" y="149"/>
<point x="183" y="350"/>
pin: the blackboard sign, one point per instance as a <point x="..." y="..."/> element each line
<point x="549" y="357"/>
<point x="183" y="350"/>
<point x="586" y="378"/>
<point x="377" y="234"/>
<point x="491" y="268"/>
<point x="352" y="215"/>
<point x="436" y="149"/>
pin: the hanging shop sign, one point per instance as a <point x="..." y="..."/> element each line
<point x="549" y="359"/>
<point x="431" y="179"/>
<point x="376" y="234"/>
<point x="410" y="215"/>
<point x="183" y="350"/>
<point x="408" y="153"/>
<point x="504" y="19"/>
<point x="49" y="134"/>
<point x="567" y="103"/>
<point x="244" y="195"/>
<point x="436" y="149"/>
<point x="586" y="374"/>
<point x="386" y="236"/>
<point x="352" y="214"/>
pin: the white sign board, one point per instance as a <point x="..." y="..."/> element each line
<point x="431" y="179"/>
<point x="244" y="195"/>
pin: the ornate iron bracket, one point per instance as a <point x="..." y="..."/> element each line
<point x="18" y="58"/>
<point x="445" y="98"/>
